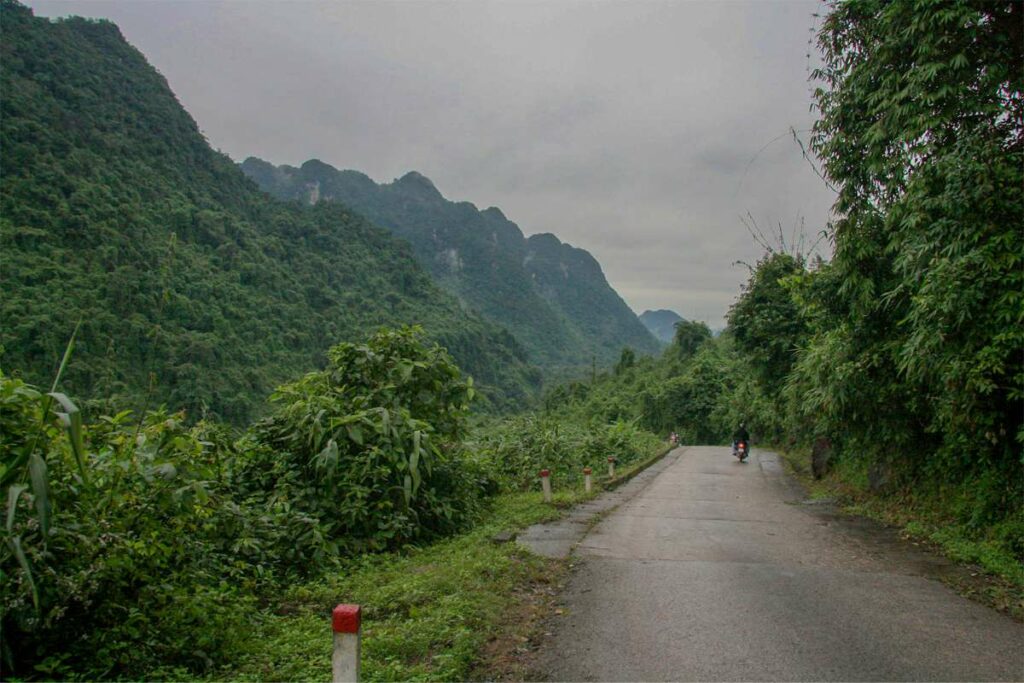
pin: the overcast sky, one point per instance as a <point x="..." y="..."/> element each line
<point x="635" y="130"/>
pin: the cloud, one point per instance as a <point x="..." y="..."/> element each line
<point x="638" y="131"/>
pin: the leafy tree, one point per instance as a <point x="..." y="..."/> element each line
<point x="922" y="132"/>
<point x="689" y="337"/>
<point x="626" y="361"/>
<point x="766" y="323"/>
<point x="374" y="435"/>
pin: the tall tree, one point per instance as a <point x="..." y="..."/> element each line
<point x="922" y="132"/>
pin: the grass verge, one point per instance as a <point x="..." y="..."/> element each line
<point x="428" y="613"/>
<point x="995" y="575"/>
<point x="462" y="608"/>
<point x="636" y="468"/>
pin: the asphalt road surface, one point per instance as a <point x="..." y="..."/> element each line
<point x="718" y="571"/>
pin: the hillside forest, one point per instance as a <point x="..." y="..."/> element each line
<point x="551" y="296"/>
<point x="215" y="400"/>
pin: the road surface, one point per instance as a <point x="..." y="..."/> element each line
<point x="717" y="570"/>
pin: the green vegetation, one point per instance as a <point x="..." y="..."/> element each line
<point x="131" y="545"/>
<point x="912" y="362"/>
<point x="553" y="297"/>
<point x="518" y="448"/>
<point x="697" y="388"/>
<point x="134" y="538"/>
<point x="135" y="534"/>
<point x="130" y="541"/>
<point x="428" y="612"/>
<point x="900" y="361"/>
<point x="193" y="288"/>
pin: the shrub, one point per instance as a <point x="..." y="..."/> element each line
<point x="516" y="450"/>
<point x="125" y="560"/>
<point x="131" y="541"/>
<point x="373" y="441"/>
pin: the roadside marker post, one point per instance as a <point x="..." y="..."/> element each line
<point x="586" y="479"/>
<point x="611" y="466"/>
<point x="346" y="623"/>
<point x="545" y="483"/>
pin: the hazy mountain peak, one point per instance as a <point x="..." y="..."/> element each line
<point x="419" y="184"/>
<point x="661" y="323"/>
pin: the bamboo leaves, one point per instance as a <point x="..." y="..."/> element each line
<point x="40" y="491"/>
<point x="71" y="418"/>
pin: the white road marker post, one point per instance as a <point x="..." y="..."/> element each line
<point x="611" y="466"/>
<point x="545" y="483"/>
<point x="345" y="620"/>
<point x="586" y="479"/>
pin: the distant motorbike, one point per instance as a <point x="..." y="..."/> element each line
<point x="742" y="450"/>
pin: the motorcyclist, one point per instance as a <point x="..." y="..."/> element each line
<point x="740" y="434"/>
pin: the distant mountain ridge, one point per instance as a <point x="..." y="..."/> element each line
<point x="553" y="297"/>
<point x="661" y="323"/>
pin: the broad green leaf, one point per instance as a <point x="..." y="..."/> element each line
<point x="40" y="491"/>
<point x="72" y="420"/>
<point x="355" y="433"/>
<point x="64" y="360"/>
<point x="13" y="493"/>
<point x="14" y="543"/>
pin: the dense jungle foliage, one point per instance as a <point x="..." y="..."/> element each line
<point x="913" y="356"/>
<point x="553" y="297"/>
<point x="193" y="288"/>
<point x="133" y="541"/>
<point x="515" y="450"/>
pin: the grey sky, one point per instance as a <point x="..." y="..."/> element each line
<point x="625" y="128"/>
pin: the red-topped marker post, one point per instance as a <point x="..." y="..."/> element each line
<point x="545" y="484"/>
<point x="345" y="620"/>
<point x="586" y="479"/>
<point x="611" y="466"/>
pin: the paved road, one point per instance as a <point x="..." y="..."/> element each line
<point x="716" y="571"/>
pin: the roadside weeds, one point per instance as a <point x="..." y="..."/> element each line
<point x="469" y="607"/>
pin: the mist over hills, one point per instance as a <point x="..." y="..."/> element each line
<point x="661" y="323"/>
<point x="192" y="286"/>
<point x="553" y="297"/>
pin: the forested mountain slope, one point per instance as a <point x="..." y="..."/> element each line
<point x="552" y="297"/>
<point x="192" y="286"/>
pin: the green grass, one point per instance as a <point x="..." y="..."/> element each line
<point x="427" y="613"/>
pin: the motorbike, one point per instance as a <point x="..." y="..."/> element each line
<point x="742" y="450"/>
